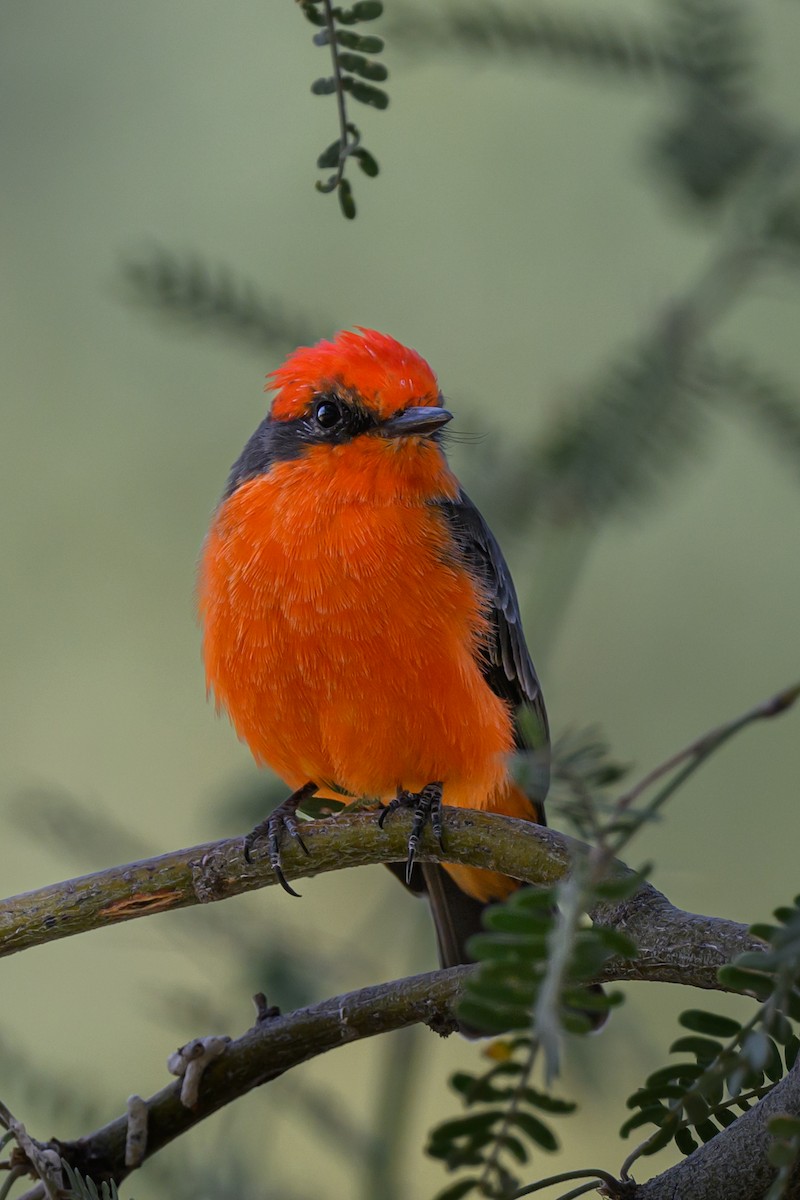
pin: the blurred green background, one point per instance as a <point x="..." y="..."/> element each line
<point x="525" y="232"/>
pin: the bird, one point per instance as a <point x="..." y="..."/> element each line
<point x="360" y="625"/>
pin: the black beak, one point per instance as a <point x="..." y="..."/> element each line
<point x="415" y="420"/>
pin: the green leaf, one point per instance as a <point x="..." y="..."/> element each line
<point x="782" y="1154"/>
<point x="476" y="1124"/>
<point x="705" y="1050"/>
<point x="735" y="1081"/>
<point x="773" y="1068"/>
<point x="706" y="1130"/>
<point x="324" y="87"/>
<point x="514" y="1146"/>
<point x="619" y="887"/>
<point x="710" y="1023"/>
<point x="760" y="960"/>
<point x="365" y="67"/>
<point x="661" y="1139"/>
<point x="536" y="1130"/>
<point x="749" y="982"/>
<point x="533" y="899"/>
<point x="322" y="38"/>
<point x="311" y="14"/>
<point x="367" y="10"/>
<point x="497" y="945"/>
<point x="685" y="1142"/>
<point x="675" y="1071"/>
<point x="644" y="1097"/>
<point x="508" y="1067"/>
<point x="654" y="1115"/>
<point x="780" y="1027"/>
<point x="547" y="1103"/>
<point x="330" y="158"/>
<point x="784" y="1127"/>
<point x="756" y="1050"/>
<point x="695" y="1108"/>
<point x="790" y="1051"/>
<point x="590" y="1000"/>
<point x="366" y="93"/>
<point x="491" y="1019"/>
<point x="508" y="919"/>
<point x="618" y="943"/>
<point x="367" y="163"/>
<point x="367" y="44"/>
<point x="711" y="1086"/>
<point x="346" y="201"/>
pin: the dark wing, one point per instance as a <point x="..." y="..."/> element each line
<point x="507" y="665"/>
<point x="507" y="668"/>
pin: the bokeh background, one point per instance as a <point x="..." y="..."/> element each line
<point x="546" y="216"/>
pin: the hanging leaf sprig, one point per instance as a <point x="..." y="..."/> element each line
<point x="354" y="75"/>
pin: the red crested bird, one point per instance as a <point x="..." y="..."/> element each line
<point x="360" y="624"/>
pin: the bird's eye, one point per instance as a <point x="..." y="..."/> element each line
<point x="327" y="413"/>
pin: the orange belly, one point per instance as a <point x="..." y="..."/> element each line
<point x="343" y="641"/>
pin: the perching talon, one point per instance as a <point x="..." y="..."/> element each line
<point x="427" y="806"/>
<point x="282" y="819"/>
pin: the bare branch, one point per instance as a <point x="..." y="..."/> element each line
<point x="266" y="1051"/>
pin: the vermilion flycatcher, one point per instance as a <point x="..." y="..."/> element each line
<point x="361" y="626"/>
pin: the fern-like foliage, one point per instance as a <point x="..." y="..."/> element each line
<point x="490" y="1127"/>
<point x="189" y="289"/>
<point x="736" y="384"/>
<point x="354" y="76"/>
<point x="586" y="41"/>
<point x="717" y="135"/>
<point x="582" y="775"/>
<point x="715" y="1081"/>
<point x="83" y="1188"/>
<point x="634" y="427"/>
<point x="535" y="965"/>
<point x="513" y="957"/>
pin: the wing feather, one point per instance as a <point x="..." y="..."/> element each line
<point x="506" y="663"/>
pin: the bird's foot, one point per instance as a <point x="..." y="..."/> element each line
<point x="281" y="820"/>
<point x="427" y="806"/>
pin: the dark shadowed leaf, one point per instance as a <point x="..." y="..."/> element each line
<point x="704" y="1049"/>
<point x="323" y="86"/>
<point x="366" y="161"/>
<point x="346" y="201"/>
<point x="366" y="93"/>
<point x="536" y="1130"/>
<point x="329" y="158"/>
<point x="710" y="1023"/>
<point x="367" y="10"/>
<point x="685" y="1142"/>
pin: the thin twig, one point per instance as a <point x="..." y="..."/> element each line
<point x="345" y="147"/>
<point x="701" y="747"/>
<point x="566" y="1177"/>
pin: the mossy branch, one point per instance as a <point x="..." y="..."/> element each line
<point x="674" y="945"/>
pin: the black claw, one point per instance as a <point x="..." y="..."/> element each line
<point x="281" y="820"/>
<point x="282" y="880"/>
<point x="427" y="806"/>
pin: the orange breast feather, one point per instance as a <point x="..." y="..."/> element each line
<point x="342" y="637"/>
